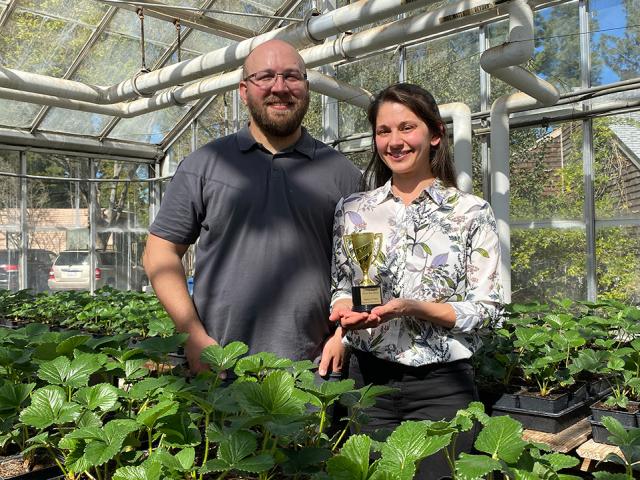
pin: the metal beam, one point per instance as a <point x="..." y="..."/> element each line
<point x="7" y="12"/>
<point x="195" y="21"/>
<point x="80" y="144"/>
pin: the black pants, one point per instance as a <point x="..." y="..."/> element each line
<point x="432" y="392"/>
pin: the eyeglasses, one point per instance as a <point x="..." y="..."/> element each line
<point x="267" y="78"/>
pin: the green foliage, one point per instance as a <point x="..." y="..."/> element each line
<point x="107" y="312"/>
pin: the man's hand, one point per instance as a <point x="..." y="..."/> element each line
<point x="193" y="348"/>
<point x="340" y="308"/>
<point x="332" y="354"/>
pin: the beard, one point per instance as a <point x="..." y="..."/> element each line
<point x="278" y="124"/>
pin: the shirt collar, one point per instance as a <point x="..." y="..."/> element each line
<point x="437" y="191"/>
<point x="305" y="145"/>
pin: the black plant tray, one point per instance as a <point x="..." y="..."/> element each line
<point x="554" y="403"/>
<point x="627" y="419"/>
<point x="598" y="432"/>
<point x="543" y="421"/>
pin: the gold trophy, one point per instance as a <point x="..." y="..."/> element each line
<point x="363" y="248"/>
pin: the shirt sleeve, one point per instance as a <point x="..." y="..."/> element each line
<point x="182" y="209"/>
<point x="482" y="304"/>
<point x="341" y="280"/>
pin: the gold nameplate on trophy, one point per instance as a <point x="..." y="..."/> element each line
<point x="363" y="248"/>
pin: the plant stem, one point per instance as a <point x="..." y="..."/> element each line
<point x="323" y="417"/>
<point x="206" y="441"/>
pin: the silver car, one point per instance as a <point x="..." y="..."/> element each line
<point x="71" y="271"/>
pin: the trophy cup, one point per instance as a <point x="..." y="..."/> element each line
<point x="363" y="248"/>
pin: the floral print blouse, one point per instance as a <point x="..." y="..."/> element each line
<point x="443" y="247"/>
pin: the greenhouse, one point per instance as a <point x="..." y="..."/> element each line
<point x="101" y="101"/>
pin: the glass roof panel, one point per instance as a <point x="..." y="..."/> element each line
<point x="156" y="31"/>
<point x="81" y="11"/>
<point x="201" y="42"/>
<point x="72" y="121"/>
<point x="17" y="114"/>
<point x="263" y="7"/>
<point x="114" y="58"/>
<point x="40" y="44"/>
<point x="150" y="127"/>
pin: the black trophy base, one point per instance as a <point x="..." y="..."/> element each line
<point x="366" y="298"/>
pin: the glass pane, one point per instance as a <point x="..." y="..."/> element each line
<point x="150" y="127"/>
<point x="548" y="263"/>
<point x="618" y="263"/>
<point x="9" y="201"/>
<point x="313" y="118"/>
<point x="448" y="67"/>
<point x="179" y="150"/>
<point x="202" y="42"/>
<point x="156" y="32"/>
<point x="617" y="167"/>
<point x="546" y="173"/>
<point x="17" y="114"/>
<point x="72" y="121"/>
<point x="373" y="74"/>
<point x="80" y="11"/>
<point x="214" y="121"/>
<point x="41" y="43"/>
<point x="264" y="7"/>
<point x="359" y="159"/>
<point x="557" y="51"/>
<point x="615" y="43"/>
<point x="115" y="58"/>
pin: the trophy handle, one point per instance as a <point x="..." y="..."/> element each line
<point x="377" y="240"/>
<point x="348" y="248"/>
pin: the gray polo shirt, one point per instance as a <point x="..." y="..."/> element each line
<point x="265" y="222"/>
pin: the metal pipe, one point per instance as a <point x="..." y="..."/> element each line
<point x="502" y="62"/>
<point x="460" y="115"/>
<point x="359" y="43"/>
<point x="314" y="29"/>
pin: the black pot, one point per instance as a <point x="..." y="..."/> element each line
<point x="599" y="433"/>
<point x="628" y="418"/>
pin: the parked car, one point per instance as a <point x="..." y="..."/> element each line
<point x="38" y="264"/>
<point x="70" y="271"/>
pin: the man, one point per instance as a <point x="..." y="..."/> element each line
<point x="261" y="202"/>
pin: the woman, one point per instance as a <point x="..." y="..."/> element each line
<point x="439" y="271"/>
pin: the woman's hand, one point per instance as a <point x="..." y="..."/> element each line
<point x="395" y="308"/>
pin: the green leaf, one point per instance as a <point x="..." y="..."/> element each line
<point x="75" y="373"/>
<point x="151" y="415"/>
<point x="147" y="471"/>
<point x="501" y="438"/>
<point x="94" y="446"/>
<point x="261" y="363"/>
<point x="236" y="453"/>
<point x="482" y="252"/>
<point x="103" y="397"/>
<point x="609" y="476"/>
<point x="353" y="461"/>
<point x="407" y="445"/>
<point x="306" y="460"/>
<point x="163" y="345"/>
<point x="559" y="461"/>
<point x="238" y="446"/>
<point x="274" y="396"/>
<point x="68" y="345"/>
<point x="223" y="358"/>
<point x="12" y="396"/>
<point x="476" y="466"/>
<point x="179" y="430"/>
<point x="48" y="407"/>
